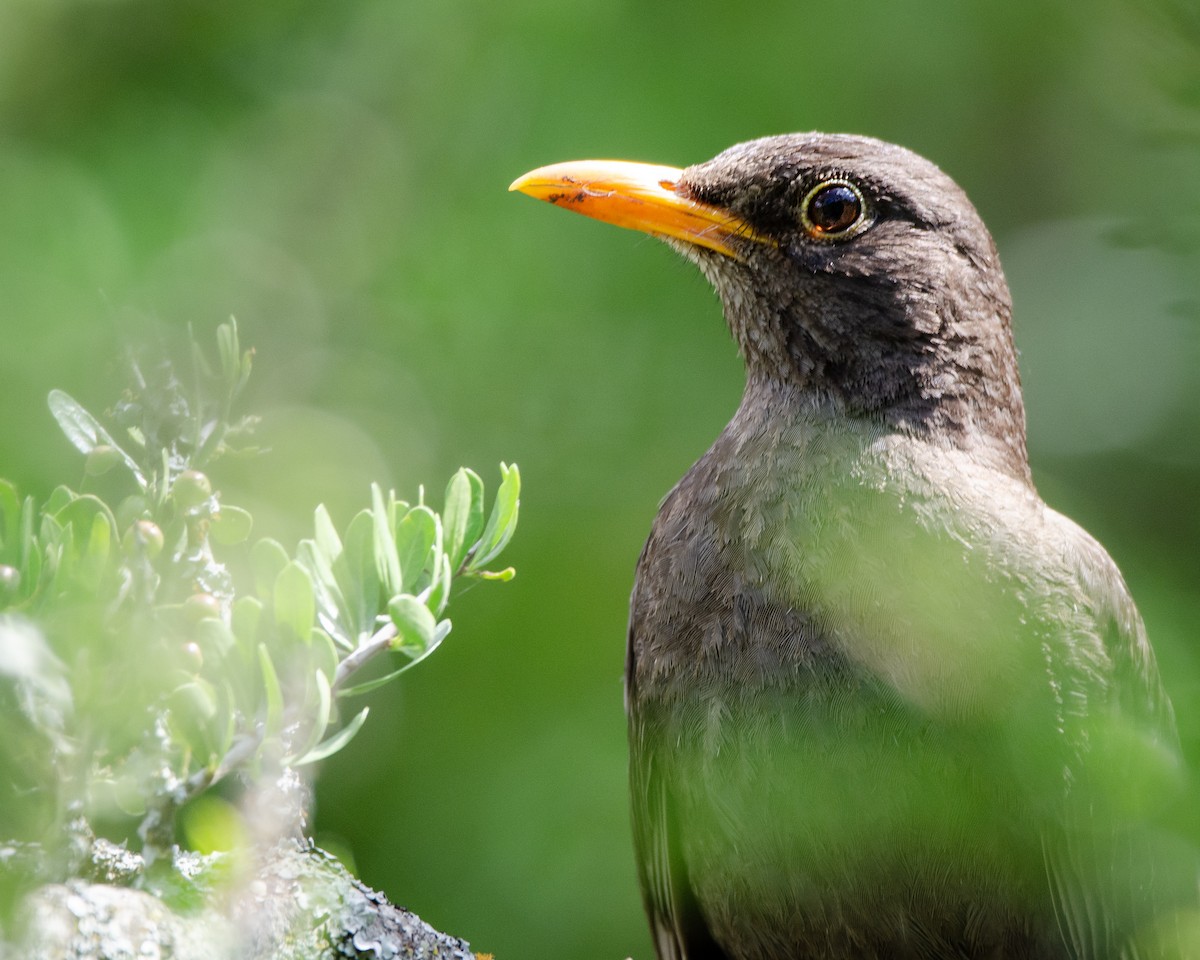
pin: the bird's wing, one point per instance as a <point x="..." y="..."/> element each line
<point x="677" y="922"/>
<point x="1055" y="656"/>
<point x="668" y="564"/>
<point x="1109" y="871"/>
<point x="1002" y="612"/>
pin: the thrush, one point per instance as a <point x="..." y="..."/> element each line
<point x="883" y="701"/>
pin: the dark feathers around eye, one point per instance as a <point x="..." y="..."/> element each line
<point x="766" y="181"/>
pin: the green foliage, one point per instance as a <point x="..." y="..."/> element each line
<point x="149" y="649"/>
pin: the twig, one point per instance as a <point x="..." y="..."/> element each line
<point x="376" y="644"/>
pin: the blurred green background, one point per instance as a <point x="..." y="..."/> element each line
<point x="334" y="174"/>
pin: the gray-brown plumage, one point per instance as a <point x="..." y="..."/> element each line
<point x="882" y="699"/>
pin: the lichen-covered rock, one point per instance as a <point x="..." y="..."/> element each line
<point x="295" y="903"/>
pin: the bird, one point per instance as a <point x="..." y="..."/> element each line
<point x="883" y="701"/>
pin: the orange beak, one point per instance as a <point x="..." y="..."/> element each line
<point x="640" y="196"/>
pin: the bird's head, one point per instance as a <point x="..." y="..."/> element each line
<point x="854" y="275"/>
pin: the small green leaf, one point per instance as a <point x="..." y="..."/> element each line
<point x="325" y="534"/>
<point x="387" y="563"/>
<point x="368" y="685"/>
<point x="502" y="575"/>
<point x="229" y="707"/>
<point x="503" y="518"/>
<point x="462" y="518"/>
<point x="414" y="623"/>
<point x="193" y="708"/>
<point x="101" y="459"/>
<point x="130" y="510"/>
<point x="245" y="619"/>
<point x="228" y="352"/>
<point x="272" y="692"/>
<point x="295" y="604"/>
<point x="324" y="653"/>
<point x="10" y="522"/>
<point x="60" y="498"/>
<point x="84" y="431"/>
<point x="235" y="363"/>
<point x="331" y="604"/>
<point x="358" y="576"/>
<point x="416" y="534"/>
<point x="437" y="594"/>
<point x="268" y="558"/>
<point x="336" y="742"/>
<point x="216" y="640"/>
<point x="231" y="525"/>
<point x="80" y="510"/>
<point x="321" y="712"/>
<point x="92" y="533"/>
<point x="32" y="559"/>
<point x="97" y="550"/>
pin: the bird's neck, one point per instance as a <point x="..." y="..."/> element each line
<point x="991" y="430"/>
<point x="938" y="365"/>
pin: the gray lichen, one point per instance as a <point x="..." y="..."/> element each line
<point x="296" y="903"/>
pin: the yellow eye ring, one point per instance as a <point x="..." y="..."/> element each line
<point x="834" y="210"/>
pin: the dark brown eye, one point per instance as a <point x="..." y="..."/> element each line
<point x="833" y="210"/>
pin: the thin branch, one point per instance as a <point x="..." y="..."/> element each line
<point x="378" y="642"/>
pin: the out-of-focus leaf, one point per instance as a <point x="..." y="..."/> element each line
<point x="216" y="640"/>
<point x="295" y="604"/>
<point x="325" y="534"/>
<point x="268" y="558"/>
<point x="438" y="592"/>
<point x="96" y="552"/>
<point x="503" y="519"/>
<point x="229" y="709"/>
<point x="130" y="510"/>
<point x="331" y="604"/>
<point x="236" y="364"/>
<point x="33" y="561"/>
<point x="10" y="521"/>
<point x="82" y="506"/>
<point x="357" y="574"/>
<point x="318" y="713"/>
<point x="374" y="684"/>
<point x="124" y="793"/>
<point x="336" y="742"/>
<point x="94" y="531"/>
<point x="245" y="619"/>
<point x="387" y="563"/>
<point x="272" y="692"/>
<point x="462" y="518"/>
<point x="85" y="432"/>
<point x="101" y="460"/>
<point x="60" y="498"/>
<point x="90" y="530"/>
<point x="415" y="625"/>
<point x="231" y="525"/>
<point x="193" y="707"/>
<point x="325" y="654"/>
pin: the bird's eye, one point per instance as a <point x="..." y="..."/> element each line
<point x="833" y="210"/>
